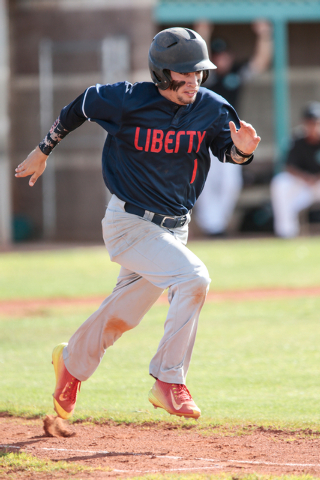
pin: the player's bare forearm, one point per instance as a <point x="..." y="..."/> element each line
<point x="264" y="47"/>
<point x="34" y="165"/>
<point x="245" y="139"/>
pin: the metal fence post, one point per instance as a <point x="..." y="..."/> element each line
<point x="281" y="90"/>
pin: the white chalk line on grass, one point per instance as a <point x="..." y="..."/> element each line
<point x="167" y="469"/>
<point x="105" y="452"/>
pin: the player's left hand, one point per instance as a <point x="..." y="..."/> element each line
<point x="245" y="139"/>
<point x="34" y="165"/>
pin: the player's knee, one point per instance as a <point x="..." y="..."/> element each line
<point x="193" y="283"/>
<point x="201" y="280"/>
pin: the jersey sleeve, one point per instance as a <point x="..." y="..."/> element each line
<point x="222" y="142"/>
<point x="71" y="116"/>
<point x="103" y="104"/>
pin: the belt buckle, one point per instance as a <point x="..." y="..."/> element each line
<point x="164" y="219"/>
<point x="180" y="221"/>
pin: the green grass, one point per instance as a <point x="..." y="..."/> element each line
<point x="12" y="464"/>
<point x="234" y="264"/>
<point x="253" y="363"/>
<point x="59" y="273"/>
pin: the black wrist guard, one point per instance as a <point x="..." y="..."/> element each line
<point x="234" y="155"/>
<point x="54" y="136"/>
<point x="238" y="156"/>
<point x="241" y="154"/>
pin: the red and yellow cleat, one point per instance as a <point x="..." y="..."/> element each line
<point x="67" y="386"/>
<point x="174" y="398"/>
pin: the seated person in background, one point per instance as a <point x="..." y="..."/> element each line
<point x="298" y="187"/>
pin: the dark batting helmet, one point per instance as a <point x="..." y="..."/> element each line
<point x="312" y="111"/>
<point x="178" y="49"/>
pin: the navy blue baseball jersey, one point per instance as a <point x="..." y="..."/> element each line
<point x="156" y="154"/>
<point x="304" y="156"/>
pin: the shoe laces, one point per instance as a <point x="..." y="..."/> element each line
<point x="72" y="389"/>
<point x="181" y="392"/>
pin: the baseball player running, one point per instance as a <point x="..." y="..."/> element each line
<point x="155" y="162"/>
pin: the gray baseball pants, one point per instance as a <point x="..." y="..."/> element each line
<point x="152" y="259"/>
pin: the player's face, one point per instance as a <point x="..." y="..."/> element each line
<point x="223" y="61"/>
<point x="184" y="87"/>
<point x="312" y="127"/>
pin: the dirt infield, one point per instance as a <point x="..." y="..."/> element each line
<point x="123" y="451"/>
<point x="26" y="307"/>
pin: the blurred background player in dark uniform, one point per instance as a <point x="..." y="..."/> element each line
<point x="224" y="183"/>
<point x="298" y="187"/>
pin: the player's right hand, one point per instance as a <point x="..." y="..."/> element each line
<point x="34" y="165"/>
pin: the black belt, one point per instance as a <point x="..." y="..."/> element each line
<point x="162" y="220"/>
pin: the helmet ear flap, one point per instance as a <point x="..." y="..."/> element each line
<point x="205" y="76"/>
<point x="162" y="79"/>
<point x="167" y="80"/>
